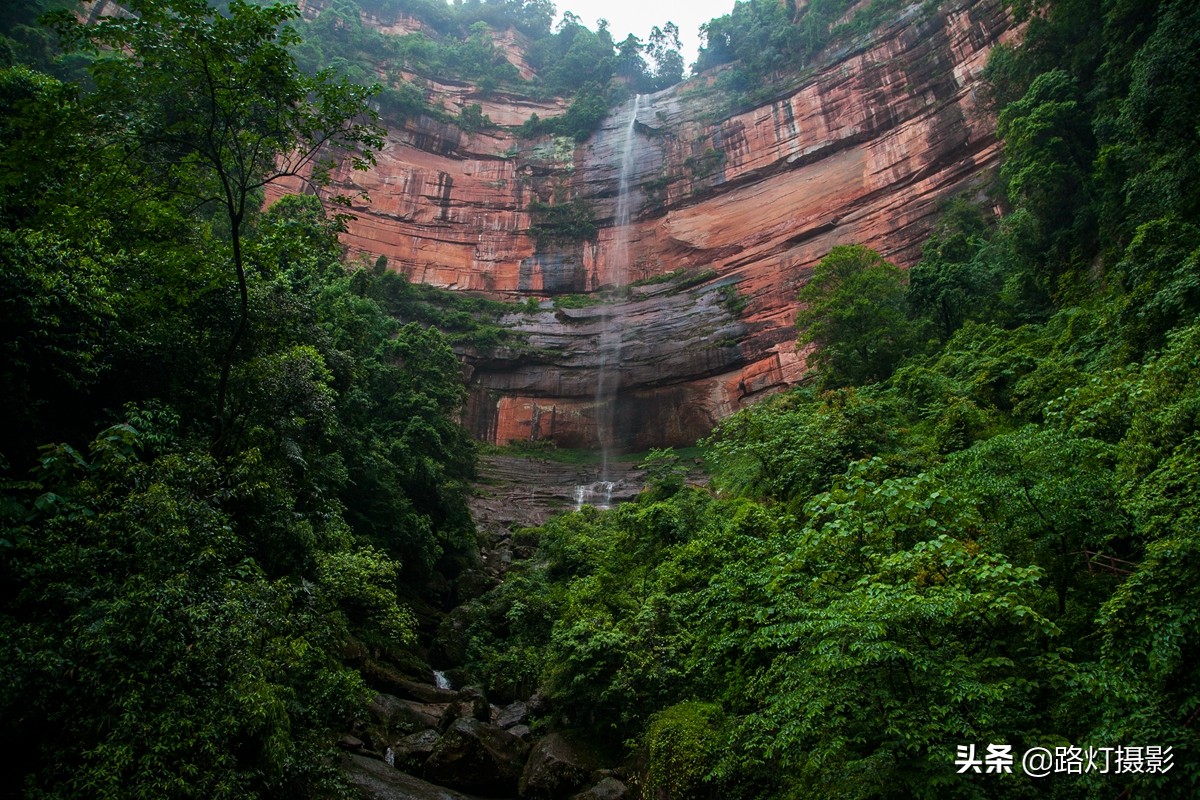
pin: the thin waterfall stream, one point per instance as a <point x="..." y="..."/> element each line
<point x="608" y="372"/>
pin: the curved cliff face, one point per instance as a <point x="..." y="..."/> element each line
<point x="742" y="204"/>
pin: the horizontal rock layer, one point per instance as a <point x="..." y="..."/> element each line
<point x="862" y="149"/>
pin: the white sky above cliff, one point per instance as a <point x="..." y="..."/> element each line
<point x="639" y="16"/>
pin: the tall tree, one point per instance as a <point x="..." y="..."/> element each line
<point x="854" y="312"/>
<point x="216" y="109"/>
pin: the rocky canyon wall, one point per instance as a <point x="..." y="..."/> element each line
<point x="732" y="209"/>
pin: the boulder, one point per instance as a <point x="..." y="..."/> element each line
<point x="411" y="752"/>
<point x="351" y="743"/>
<point x="472" y="584"/>
<point x="375" y="780"/>
<point x="539" y="705"/>
<point x="469" y="703"/>
<point x="395" y="716"/>
<point x="425" y="692"/>
<point x="606" y="789"/>
<point x="461" y="677"/>
<point x="389" y="680"/>
<point x="513" y="714"/>
<point x="522" y="732"/>
<point x="558" y="765"/>
<point x="476" y="757"/>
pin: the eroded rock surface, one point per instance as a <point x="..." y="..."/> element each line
<point x="861" y="149"/>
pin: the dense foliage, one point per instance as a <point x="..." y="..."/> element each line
<point x="226" y="454"/>
<point x="766" y="39"/>
<point x="467" y="41"/>
<point x="978" y="525"/>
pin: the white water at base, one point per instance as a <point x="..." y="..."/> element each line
<point x="598" y="494"/>
<point x="608" y="371"/>
<point x="389" y="757"/>
<point x="440" y="680"/>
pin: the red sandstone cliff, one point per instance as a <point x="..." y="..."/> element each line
<point x="860" y="151"/>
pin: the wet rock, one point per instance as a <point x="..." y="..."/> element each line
<point x="384" y="708"/>
<point x="606" y="789"/>
<point x="475" y="757"/>
<point x="461" y="677"/>
<point x="470" y="703"/>
<point x="351" y="743"/>
<point x="500" y="557"/>
<point x="387" y="679"/>
<point x="395" y="716"/>
<point x="522" y="732"/>
<point x="382" y="677"/>
<point x="538" y="704"/>
<point x="375" y="780"/>
<point x="512" y="714"/>
<point x="426" y="692"/>
<point x="558" y="765"/>
<point x="411" y="752"/>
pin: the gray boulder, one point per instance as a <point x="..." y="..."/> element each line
<point x="558" y="765"/>
<point x="375" y="780"/>
<point x="424" y="692"/>
<point x="399" y="717"/>
<point x="607" y="789"/>
<point x="469" y="703"/>
<point x="522" y="732"/>
<point x="514" y="714"/>
<point x="475" y="757"/>
<point x="411" y="752"/>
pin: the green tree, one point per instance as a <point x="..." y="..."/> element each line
<point x="684" y="742"/>
<point x="1046" y="497"/>
<point x="1155" y="123"/>
<point x="663" y="48"/>
<point x="1145" y="682"/>
<point x="56" y="308"/>
<point x="1048" y="149"/>
<point x="853" y="313"/>
<point x="217" y="109"/>
<point x="1160" y="270"/>
<point x="790" y="447"/>
<point x="135" y="623"/>
<point x="953" y="281"/>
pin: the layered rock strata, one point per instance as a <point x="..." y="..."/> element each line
<point x="742" y="203"/>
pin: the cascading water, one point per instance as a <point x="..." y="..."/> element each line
<point x="598" y="494"/>
<point x="608" y="372"/>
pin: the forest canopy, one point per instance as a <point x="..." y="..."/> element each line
<point x="226" y="454"/>
<point x="978" y="522"/>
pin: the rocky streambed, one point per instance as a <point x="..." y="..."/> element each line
<point x="423" y="737"/>
<point x="427" y="740"/>
<point x="524" y="491"/>
<point x="422" y="742"/>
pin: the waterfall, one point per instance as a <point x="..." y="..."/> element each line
<point x="598" y="494"/>
<point x="608" y="370"/>
<point x="608" y="373"/>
